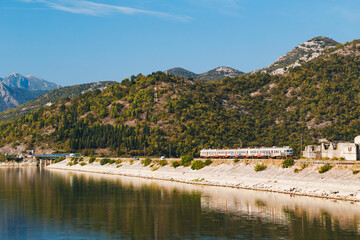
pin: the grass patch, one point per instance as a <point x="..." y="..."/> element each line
<point x="260" y="167"/>
<point x="199" y="180"/>
<point x="104" y="161"/>
<point x="154" y="168"/>
<point x="186" y="160"/>
<point x="60" y="159"/>
<point x="82" y="164"/>
<point x="92" y="159"/>
<point x="325" y="168"/>
<point x="236" y="160"/>
<point x="175" y="164"/>
<point x="163" y="163"/>
<point x="146" y="162"/>
<point x="208" y="162"/>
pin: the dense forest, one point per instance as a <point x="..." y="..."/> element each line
<point x="318" y="100"/>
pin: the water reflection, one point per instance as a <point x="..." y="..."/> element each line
<point x="41" y="204"/>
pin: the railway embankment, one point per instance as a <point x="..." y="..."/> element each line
<point x="333" y="180"/>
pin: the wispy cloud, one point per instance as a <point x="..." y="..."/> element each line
<point x="101" y="9"/>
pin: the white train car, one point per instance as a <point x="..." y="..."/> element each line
<point x="271" y="152"/>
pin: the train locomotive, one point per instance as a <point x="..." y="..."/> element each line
<point x="264" y="152"/>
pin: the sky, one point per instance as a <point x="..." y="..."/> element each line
<point x="79" y="41"/>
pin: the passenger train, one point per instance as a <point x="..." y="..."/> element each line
<point x="271" y="152"/>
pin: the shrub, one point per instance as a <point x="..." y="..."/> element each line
<point x="111" y="161"/>
<point x="355" y="171"/>
<point x="175" y="164"/>
<point x="198" y="164"/>
<point x="60" y="159"/>
<point x="154" y="168"/>
<point x="186" y="160"/>
<point x="104" y="161"/>
<point x="146" y="162"/>
<point x="208" y="162"/>
<point x="92" y="159"/>
<point x="118" y="161"/>
<point x="260" y="167"/>
<point x="131" y="162"/>
<point x="325" y="168"/>
<point x="163" y="163"/>
<point x="70" y="164"/>
<point x="296" y="170"/>
<point x="236" y="160"/>
<point x="81" y="159"/>
<point x="82" y="164"/>
<point x="288" y="162"/>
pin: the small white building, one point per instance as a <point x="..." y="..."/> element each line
<point x="347" y="151"/>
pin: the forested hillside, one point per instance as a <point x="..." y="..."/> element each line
<point x="49" y="98"/>
<point x="318" y="100"/>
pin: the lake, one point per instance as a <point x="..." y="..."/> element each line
<point x="48" y="204"/>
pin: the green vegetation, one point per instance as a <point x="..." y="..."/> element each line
<point x="163" y="163"/>
<point x="92" y="159"/>
<point x="355" y="171"/>
<point x="208" y="162"/>
<point x="317" y="100"/>
<point x="154" y="168"/>
<point x="146" y="162"/>
<point x="186" y="160"/>
<point x="175" y="164"/>
<point x="198" y="164"/>
<point x="288" y="162"/>
<point x="325" y="168"/>
<point x="104" y="161"/>
<point x="236" y="160"/>
<point x="83" y="164"/>
<point x="53" y="96"/>
<point x="60" y="159"/>
<point x="260" y="167"/>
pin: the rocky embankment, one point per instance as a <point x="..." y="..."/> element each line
<point x="340" y="182"/>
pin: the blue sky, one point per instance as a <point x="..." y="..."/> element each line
<point x="76" y="41"/>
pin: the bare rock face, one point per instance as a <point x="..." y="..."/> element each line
<point x="302" y="53"/>
<point x="17" y="89"/>
<point x="214" y="74"/>
<point x="28" y="82"/>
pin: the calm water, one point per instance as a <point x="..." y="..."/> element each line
<point x="40" y="204"/>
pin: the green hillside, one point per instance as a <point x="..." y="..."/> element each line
<point x="318" y="100"/>
<point x="49" y="98"/>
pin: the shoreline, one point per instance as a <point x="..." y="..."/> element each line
<point x="337" y="184"/>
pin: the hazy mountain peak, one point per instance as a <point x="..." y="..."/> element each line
<point x="28" y="82"/>
<point x="214" y="74"/>
<point x="178" y="71"/>
<point x="219" y="73"/>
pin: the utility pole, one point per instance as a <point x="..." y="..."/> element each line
<point x="169" y="150"/>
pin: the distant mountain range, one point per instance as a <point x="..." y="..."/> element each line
<point x="300" y="54"/>
<point x="48" y="98"/>
<point x="16" y="80"/>
<point x="215" y="74"/>
<point x="17" y="89"/>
